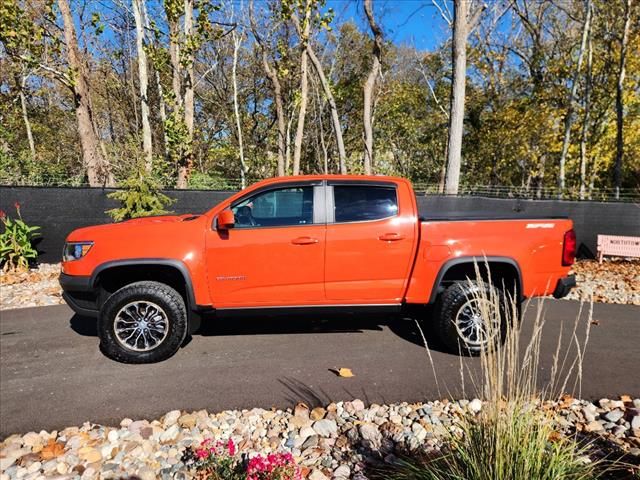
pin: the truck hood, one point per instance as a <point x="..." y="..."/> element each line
<point x="126" y="226"/>
<point x="160" y="219"/>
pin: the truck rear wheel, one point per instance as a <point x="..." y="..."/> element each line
<point x="144" y="322"/>
<point x="471" y="317"/>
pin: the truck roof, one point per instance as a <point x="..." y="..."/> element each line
<point x="368" y="178"/>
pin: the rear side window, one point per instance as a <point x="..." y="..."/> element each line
<point x="357" y="203"/>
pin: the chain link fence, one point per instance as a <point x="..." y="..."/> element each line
<point x="491" y="191"/>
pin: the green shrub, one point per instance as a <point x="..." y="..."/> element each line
<point x="140" y="197"/>
<point x="16" y="248"/>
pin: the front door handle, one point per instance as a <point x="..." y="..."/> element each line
<point x="391" y="237"/>
<point x="304" y="241"/>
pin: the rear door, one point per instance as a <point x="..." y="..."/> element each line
<point x="274" y="255"/>
<point x="371" y="232"/>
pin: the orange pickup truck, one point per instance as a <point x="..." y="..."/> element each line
<point x="304" y="243"/>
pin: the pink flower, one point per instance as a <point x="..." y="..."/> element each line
<point x="275" y="466"/>
<point x="202" y="453"/>
<point x="231" y="447"/>
<point x="17" y="205"/>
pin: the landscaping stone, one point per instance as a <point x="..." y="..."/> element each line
<point x="475" y="405"/>
<point x="325" y="428"/>
<point x="613" y="281"/>
<point x="337" y="446"/>
<point x="614" y="415"/>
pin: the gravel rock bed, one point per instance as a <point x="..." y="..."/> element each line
<point x="37" y="287"/>
<point x="614" y="281"/>
<point x="336" y="441"/>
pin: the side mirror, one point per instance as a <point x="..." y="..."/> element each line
<point x="226" y="219"/>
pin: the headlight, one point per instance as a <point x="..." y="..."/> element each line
<point x="75" y="250"/>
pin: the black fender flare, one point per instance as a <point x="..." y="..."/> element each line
<point x="480" y="260"/>
<point x="167" y="262"/>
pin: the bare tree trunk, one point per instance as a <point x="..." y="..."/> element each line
<point x="335" y="118"/>
<point x="617" y="172"/>
<point x="21" y="82"/>
<point x="443" y="171"/>
<point x="176" y="70"/>
<point x="185" y="168"/>
<point x="163" y="113"/>
<point x="541" y="172"/>
<point x="464" y="21"/>
<point x="369" y="86"/>
<point x="585" y="121"/>
<point x="176" y="85"/>
<point x="324" y="164"/>
<point x="282" y="124"/>
<point x="94" y="163"/>
<point x="143" y="83"/>
<point x="304" y="90"/>
<point x="161" y="107"/>
<point x="128" y="68"/>
<point x="236" y="110"/>
<point x="287" y="163"/>
<point x="272" y="75"/>
<point x="456" y="118"/>
<point x="568" y="120"/>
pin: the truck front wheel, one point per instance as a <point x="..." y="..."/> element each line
<point x="471" y="317"/>
<point x="144" y="322"/>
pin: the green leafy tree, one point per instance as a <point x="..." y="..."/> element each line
<point x="140" y="197"/>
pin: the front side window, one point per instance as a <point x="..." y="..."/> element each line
<point x="275" y="208"/>
<point x="357" y="203"/>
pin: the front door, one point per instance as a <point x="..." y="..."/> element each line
<point x="274" y="254"/>
<point x="370" y="243"/>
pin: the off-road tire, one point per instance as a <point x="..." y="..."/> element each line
<point x="162" y="295"/>
<point x="451" y="301"/>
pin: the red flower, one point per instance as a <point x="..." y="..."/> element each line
<point x="2" y="215"/>
<point x="17" y="205"/>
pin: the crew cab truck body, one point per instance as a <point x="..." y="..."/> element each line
<point x="316" y="242"/>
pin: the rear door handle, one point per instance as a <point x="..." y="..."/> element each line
<point x="390" y="237"/>
<point x="304" y="241"/>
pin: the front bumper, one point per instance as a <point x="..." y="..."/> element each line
<point x="564" y="286"/>
<point x="79" y="294"/>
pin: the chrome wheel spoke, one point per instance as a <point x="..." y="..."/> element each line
<point x="141" y="326"/>
<point x="473" y="329"/>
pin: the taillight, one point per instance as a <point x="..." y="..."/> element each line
<point x="569" y="248"/>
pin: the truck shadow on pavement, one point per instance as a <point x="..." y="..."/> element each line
<point x="257" y="324"/>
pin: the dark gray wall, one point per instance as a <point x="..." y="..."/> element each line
<point x="60" y="210"/>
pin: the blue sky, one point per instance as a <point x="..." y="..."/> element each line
<point x="414" y="22"/>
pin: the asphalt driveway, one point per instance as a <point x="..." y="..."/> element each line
<point x="52" y="374"/>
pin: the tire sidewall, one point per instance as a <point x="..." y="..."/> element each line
<point x="162" y="295"/>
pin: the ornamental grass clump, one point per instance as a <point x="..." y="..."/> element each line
<point x="218" y="460"/>
<point x="514" y="436"/>
<point x="16" y="242"/>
